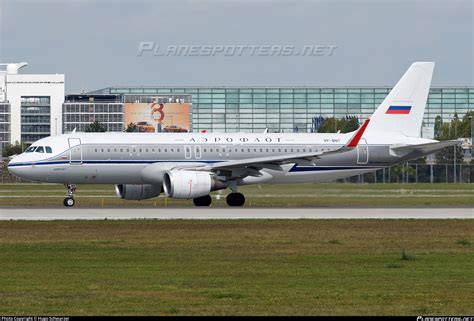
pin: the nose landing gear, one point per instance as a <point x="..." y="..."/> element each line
<point x="69" y="201"/>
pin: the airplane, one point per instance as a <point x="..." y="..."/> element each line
<point x="191" y="165"/>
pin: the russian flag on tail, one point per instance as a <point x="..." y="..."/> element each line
<point x="400" y="110"/>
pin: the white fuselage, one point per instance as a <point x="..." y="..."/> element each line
<point x="141" y="158"/>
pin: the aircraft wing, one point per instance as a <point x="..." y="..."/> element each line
<point x="427" y="148"/>
<point x="274" y="162"/>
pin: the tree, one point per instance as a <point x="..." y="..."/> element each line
<point x="449" y="131"/>
<point x="327" y="126"/>
<point x="131" y="128"/>
<point x="95" y="127"/>
<point x="349" y="124"/>
<point x="345" y="125"/>
<point x="10" y="150"/>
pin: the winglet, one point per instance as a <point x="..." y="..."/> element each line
<point x="356" y="138"/>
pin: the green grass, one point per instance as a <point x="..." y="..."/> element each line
<point x="303" y="195"/>
<point x="239" y="267"/>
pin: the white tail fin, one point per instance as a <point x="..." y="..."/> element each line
<point x="402" y="110"/>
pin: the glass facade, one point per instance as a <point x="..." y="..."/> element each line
<point x="80" y="111"/>
<point x="35" y="118"/>
<point x="5" y="123"/>
<point x="289" y="109"/>
<point x="79" y="115"/>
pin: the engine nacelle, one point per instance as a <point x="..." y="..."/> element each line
<point x="190" y="184"/>
<point x="137" y="192"/>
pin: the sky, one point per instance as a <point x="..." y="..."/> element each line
<point x="96" y="43"/>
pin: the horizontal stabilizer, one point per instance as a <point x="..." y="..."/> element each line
<point x="427" y="148"/>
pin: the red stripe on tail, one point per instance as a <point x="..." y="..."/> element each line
<point x="355" y="140"/>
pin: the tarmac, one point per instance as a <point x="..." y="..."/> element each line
<point x="48" y="214"/>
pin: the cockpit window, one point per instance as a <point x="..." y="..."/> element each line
<point x="30" y="149"/>
<point x="40" y="149"/>
<point x="48" y="150"/>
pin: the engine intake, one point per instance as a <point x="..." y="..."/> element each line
<point x="190" y="184"/>
<point x="137" y="192"/>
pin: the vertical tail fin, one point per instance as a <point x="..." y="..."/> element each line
<point x="402" y="110"/>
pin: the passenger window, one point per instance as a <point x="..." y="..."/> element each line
<point x="95" y="150"/>
<point x="140" y="150"/>
<point x="121" y="150"/>
<point x="30" y="149"/>
<point x="108" y="150"/>
<point x="48" y="150"/>
<point x="152" y="150"/>
<point x="102" y="150"/>
<point x="40" y="149"/>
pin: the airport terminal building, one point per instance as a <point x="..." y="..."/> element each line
<point x="285" y="109"/>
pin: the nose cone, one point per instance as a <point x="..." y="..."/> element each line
<point x="13" y="167"/>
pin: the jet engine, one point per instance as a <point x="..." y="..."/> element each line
<point x="190" y="184"/>
<point x="137" y="192"/>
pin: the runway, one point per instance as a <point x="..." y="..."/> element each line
<point x="48" y="214"/>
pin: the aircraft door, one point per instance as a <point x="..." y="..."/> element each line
<point x="362" y="152"/>
<point x="197" y="152"/>
<point x="75" y="151"/>
<point x="187" y="152"/>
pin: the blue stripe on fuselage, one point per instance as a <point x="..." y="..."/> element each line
<point x="295" y="168"/>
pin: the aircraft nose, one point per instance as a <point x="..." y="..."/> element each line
<point x="12" y="168"/>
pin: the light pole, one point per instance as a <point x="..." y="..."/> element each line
<point x="454" y="150"/>
<point x="454" y="147"/>
<point x="472" y="133"/>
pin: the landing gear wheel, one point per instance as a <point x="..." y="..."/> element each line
<point x="235" y="199"/>
<point x="69" y="202"/>
<point x="203" y="200"/>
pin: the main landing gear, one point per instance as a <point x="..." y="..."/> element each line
<point x="203" y="200"/>
<point x="235" y="198"/>
<point x="69" y="200"/>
